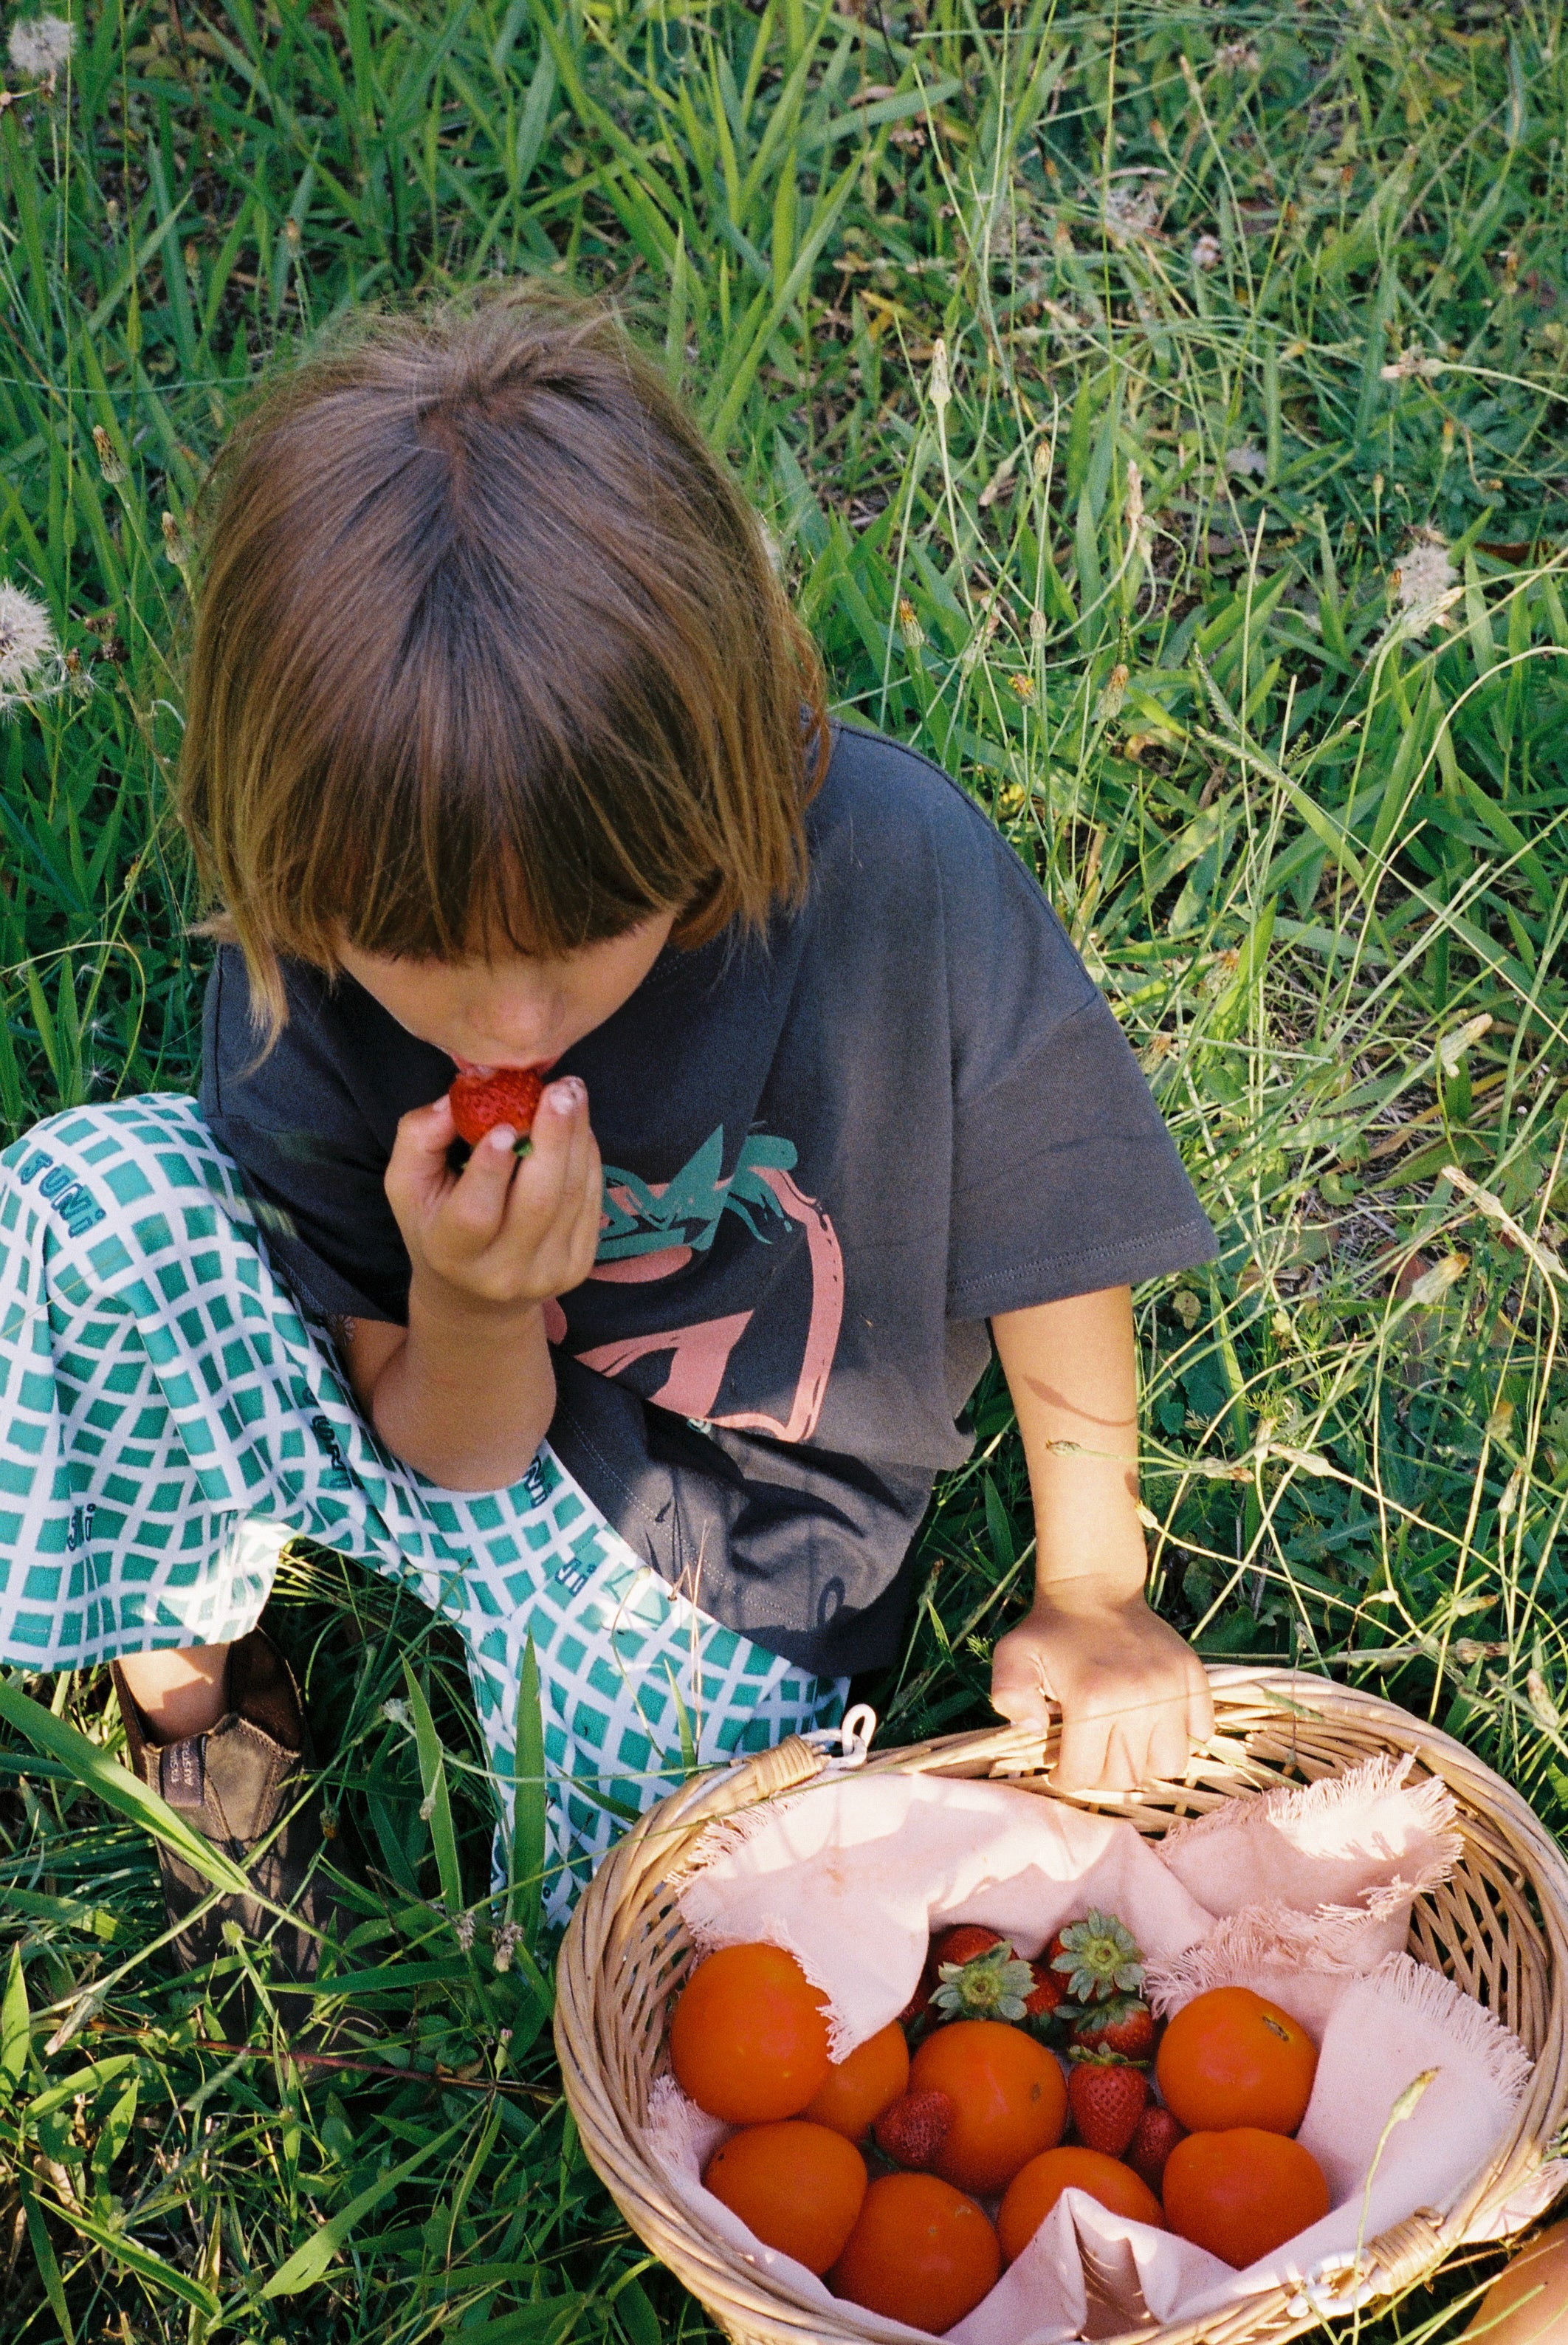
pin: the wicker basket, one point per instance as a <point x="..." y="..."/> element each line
<point x="1500" y="1928"/>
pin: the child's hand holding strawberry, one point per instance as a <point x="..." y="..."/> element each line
<point x="506" y="1233"/>
<point x="467" y="1391"/>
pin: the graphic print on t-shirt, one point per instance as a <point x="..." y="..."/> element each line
<point x="651" y="1230"/>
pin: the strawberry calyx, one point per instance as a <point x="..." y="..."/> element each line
<point x="992" y="1985"/>
<point x="1100" y="1957"/>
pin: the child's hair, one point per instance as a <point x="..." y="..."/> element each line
<point x="489" y="652"/>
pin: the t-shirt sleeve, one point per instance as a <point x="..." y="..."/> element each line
<point x="312" y="1151"/>
<point x="1065" y="1179"/>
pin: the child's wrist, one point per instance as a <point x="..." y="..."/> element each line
<point x="1105" y="1587"/>
<point x="442" y="1307"/>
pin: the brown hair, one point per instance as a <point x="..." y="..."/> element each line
<point x="489" y="652"/>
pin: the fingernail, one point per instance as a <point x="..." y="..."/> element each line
<point x="500" y="1140"/>
<point x="567" y="1095"/>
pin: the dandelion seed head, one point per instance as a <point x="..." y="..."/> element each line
<point x="26" y="638"/>
<point x="1131" y="211"/>
<point x="41" y="44"/>
<point x="1425" y="581"/>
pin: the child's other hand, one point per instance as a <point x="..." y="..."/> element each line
<point x="1133" y="1694"/>
<point x="506" y="1233"/>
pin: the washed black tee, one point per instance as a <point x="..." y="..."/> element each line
<point x="830" y="1157"/>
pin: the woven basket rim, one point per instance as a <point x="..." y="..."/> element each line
<point x="1253" y="1704"/>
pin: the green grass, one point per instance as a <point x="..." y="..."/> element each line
<point x="1096" y="371"/>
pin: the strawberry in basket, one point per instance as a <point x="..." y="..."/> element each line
<point x="977" y="1976"/>
<point x="1099" y="1957"/>
<point x="1107" y="2098"/>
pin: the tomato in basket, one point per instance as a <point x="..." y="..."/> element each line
<point x="748" y="2041"/>
<point x="1229" y="2058"/>
<point x="1033" y="2192"/>
<point x="798" y="2186"/>
<point x="920" y="2252"/>
<point x="1008" y="2100"/>
<point x="1243" y="2193"/>
<point x="857" y="2088"/>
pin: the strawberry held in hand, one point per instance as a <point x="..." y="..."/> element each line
<point x="506" y="1095"/>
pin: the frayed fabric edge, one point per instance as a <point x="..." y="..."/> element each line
<point x="1468" y="2025"/>
<point x="1266" y="1937"/>
<point x="1432" y="1804"/>
<point x="724" y="1837"/>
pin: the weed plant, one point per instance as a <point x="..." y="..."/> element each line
<point x="1159" y="411"/>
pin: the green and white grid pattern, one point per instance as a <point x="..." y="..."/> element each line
<point x="161" y="1398"/>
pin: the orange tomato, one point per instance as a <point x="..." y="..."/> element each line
<point x="921" y="2252"/>
<point x="1243" y="2193"/>
<point x="1033" y="2192"/>
<point x="1231" y="2059"/>
<point x="1008" y="2100"/>
<point x="857" y="2088"/>
<point x="798" y="2186"/>
<point x="748" y="2040"/>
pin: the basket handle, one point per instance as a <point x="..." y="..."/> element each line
<point x="784" y="1767"/>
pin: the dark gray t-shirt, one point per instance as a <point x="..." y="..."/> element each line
<point x="829" y="1158"/>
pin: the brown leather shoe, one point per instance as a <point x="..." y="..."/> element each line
<point x="232" y="1784"/>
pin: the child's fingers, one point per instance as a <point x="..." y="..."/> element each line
<point x="418" y="1172"/>
<point x="1169" y="1746"/>
<point x="1019" y="1692"/>
<point x="478" y="1205"/>
<point x="1200" y="1711"/>
<point x="1083" y="1763"/>
<point x="560" y="1121"/>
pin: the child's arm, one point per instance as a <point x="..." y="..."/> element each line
<point x="466" y="1391"/>
<point x="1133" y="1695"/>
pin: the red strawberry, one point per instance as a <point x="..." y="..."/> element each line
<point x="1157" y="2135"/>
<point x="962" y="1943"/>
<point x="913" y="2130"/>
<point x="1049" y="1989"/>
<point x="510" y="1095"/>
<point x="1107" y="2098"/>
<point x="1124" y="2026"/>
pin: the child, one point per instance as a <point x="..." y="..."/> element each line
<point x="504" y="750"/>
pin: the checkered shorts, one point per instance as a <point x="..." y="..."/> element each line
<point x="168" y="1419"/>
